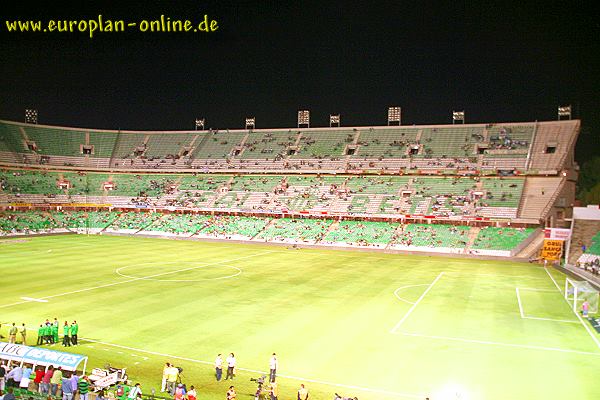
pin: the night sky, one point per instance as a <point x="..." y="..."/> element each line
<point x="498" y="62"/>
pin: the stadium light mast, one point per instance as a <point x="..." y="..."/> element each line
<point x="394" y="116"/>
<point x="200" y="123"/>
<point x="458" y="116"/>
<point x="31" y="116"/>
<point x="564" y="112"/>
<point x="250" y="123"/>
<point x="303" y="119"/>
<point x="334" y="120"/>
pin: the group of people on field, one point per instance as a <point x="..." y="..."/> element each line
<point x="48" y="333"/>
<point x="171" y="380"/>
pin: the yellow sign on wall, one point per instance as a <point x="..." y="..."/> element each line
<point x="552" y="249"/>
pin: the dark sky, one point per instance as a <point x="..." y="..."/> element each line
<point x="498" y="61"/>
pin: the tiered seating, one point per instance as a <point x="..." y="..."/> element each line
<point x="24" y="222"/>
<point x="104" y="143"/>
<point x="127" y="143"/>
<point x="324" y="144"/>
<point x="135" y="220"/>
<point x="164" y="145"/>
<point x="491" y="238"/>
<point x="268" y="144"/>
<point x="218" y="145"/>
<point x="377" y="184"/>
<point x="180" y="223"/>
<point x="203" y="182"/>
<point x="82" y="219"/>
<point x="502" y="192"/>
<point x="431" y="235"/>
<point x="449" y="142"/>
<point x="387" y="143"/>
<point x="361" y="232"/>
<point x="251" y="183"/>
<point x="238" y="226"/>
<point x="32" y="182"/>
<point x="286" y="229"/>
<point x="56" y="141"/>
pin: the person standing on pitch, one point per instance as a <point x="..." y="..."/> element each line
<point x="218" y="367"/>
<point x="55" y="331"/>
<point x="74" y="331"/>
<point x="230" y="366"/>
<point x="163" y="384"/>
<point x="231" y="395"/>
<point x="272" y="368"/>
<point x="41" y="332"/>
<point x="66" y="339"/>
<point x="23" y="332"/>
<point x="12" y="334"/>
<point x="585" y="308"/>
<point x="302" y="393"/>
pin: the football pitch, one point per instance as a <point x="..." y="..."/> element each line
<point x="365" y="324"/>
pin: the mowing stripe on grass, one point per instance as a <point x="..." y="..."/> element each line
<point x="395" y="328"/>
<point x="132" y="280"/>
<point x="211" y="363"/>
<point x="488" y="342"/>
<point x="592" y="335"/>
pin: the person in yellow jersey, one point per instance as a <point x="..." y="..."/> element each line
<point x="302" y="393"/>
<point x="273" y="391"/>
<point x="231" y="395"/>
<point x="163" y="386"/>
<point x="172" y="374"/>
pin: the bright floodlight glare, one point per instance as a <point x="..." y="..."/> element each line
<point x="451" y="391"/>
<point x="250" y="123"/>
<point x="200" y="123"/>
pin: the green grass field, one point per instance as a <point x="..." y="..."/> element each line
<point x="371" y="325"/>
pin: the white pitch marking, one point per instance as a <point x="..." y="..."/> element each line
<point x="395" y="328"/>
<point x="520" y="305"/>
<point x="521" y="346"/>
<point x="132" y="280"/>
<point x="537" y="290"/>
<point x="406" y="287"/>
<point x="540" y="318"/>
<point x="34" y="299"/>
<point x="587" y="328"/>
<point x="169" y="356"/>
<point x="571" y="321"/>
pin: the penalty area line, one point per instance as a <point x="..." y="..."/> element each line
<point x="501" y="344"/>
<point x="255" y="371"/>
<point x="587" y="328"/>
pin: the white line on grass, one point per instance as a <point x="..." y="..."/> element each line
<point x="382" y="391"/>
<point x="540" y="318"/>
<point x="520" y="305"/>
<point x="537" y="290"/>
<point x="406" y="287"/>
<point x="395" y="328"/>
<point x="521" y="346"/>
<point x="587" y="328"/>
<point x="132" y="280"/>
<point x="33" y="299"/>
<point x="570" y="321"/>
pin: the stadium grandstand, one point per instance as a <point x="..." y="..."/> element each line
<point x="481" y="189"/>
